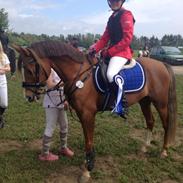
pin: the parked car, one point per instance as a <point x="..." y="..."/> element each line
<point x="167" y="54"/>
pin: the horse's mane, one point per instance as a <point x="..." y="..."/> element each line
<point x="55" y="48"/>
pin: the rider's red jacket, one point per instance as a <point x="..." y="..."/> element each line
<point x="120" y="48"/>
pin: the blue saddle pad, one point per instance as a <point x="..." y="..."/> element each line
<point x="134" y="79"/>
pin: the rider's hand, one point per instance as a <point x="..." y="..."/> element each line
<point x="92" y="50"/>
<point x="105" y="54"/>
<point x="92" y="53"/>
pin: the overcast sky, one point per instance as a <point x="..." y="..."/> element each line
<point x="55" y="17"/>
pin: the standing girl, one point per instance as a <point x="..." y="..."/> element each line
<point x="4" y="68"/>
<point x="55" y="113"/>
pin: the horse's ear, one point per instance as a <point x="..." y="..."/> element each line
<point x="34" y="54"/>
<point x="39" y="61"/>
<point x="21" y="50"/>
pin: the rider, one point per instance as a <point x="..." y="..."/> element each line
<point x="116" y="40"/>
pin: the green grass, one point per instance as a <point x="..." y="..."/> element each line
<point x="117" y="149"/>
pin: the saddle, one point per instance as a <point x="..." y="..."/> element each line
<point x="132" y="78"/>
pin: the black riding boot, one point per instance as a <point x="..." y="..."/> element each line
<point x="113" y="87"/>
<point x="2" y="110"/>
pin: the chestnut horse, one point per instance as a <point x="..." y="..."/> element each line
<point x="72" y="66"/>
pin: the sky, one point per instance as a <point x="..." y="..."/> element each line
<point x="55" y="17"/>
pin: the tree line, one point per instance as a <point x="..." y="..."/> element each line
<point x="84" y="40"/>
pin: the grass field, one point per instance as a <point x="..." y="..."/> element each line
<point x="117" y="147"/>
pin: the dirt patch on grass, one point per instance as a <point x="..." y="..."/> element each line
<point x="169" y="181"/>
<point x="178" y="70"/>
<point x="107" y="168"/>
<point x="9" y="145"/>
<point x="106" y="171"/>
<point x="35" y="144"/>
<point x="65" y="175"/>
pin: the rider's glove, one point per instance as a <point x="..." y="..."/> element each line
<point x="92" y="52"/>
<point x="105" y="54"/>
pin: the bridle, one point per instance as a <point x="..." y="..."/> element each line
<point x="70" y="86"/>
<point x="37" y="84"/>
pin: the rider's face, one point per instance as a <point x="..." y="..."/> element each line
<point x="115" y="4"/>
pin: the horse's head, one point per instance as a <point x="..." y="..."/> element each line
<point x="33" y="74"/>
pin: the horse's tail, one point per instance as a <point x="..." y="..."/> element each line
<point x="172" y="107"/>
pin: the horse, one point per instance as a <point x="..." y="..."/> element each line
<point x="73" y="67"/>
<point x="12" y="58"/>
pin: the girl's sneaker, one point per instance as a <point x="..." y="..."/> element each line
<point x="66" y="152"/>
<point x="48" y="157"/>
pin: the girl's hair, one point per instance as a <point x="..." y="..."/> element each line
<point x="2" y="54"/>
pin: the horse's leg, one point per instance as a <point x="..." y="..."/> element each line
<point x="87" y="121"/>
<point x="166" y="105"/>
<point x="163" y="112"/>
<point x="145" y="104"/>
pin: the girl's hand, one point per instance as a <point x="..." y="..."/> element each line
<point x="66" y="105"/>
<point x="2" y="71"/>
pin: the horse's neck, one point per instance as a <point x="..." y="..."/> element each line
<point x="66" y="69"/>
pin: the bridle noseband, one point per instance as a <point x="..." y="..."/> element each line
<point x="37" y="84"/>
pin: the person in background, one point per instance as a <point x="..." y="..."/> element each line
<point x="140" y="52"/>
<point x="74" y="42"/>
<point x="146" y="51"/>
<point x="143" y="52"/>
<point x="4" y="68"/>
<point x="54" y="108"/>
<point x="12" y="59"/>
<point x="4" y="40"/>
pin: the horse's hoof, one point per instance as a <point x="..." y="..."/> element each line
<point x="84" y="179"/>
<point x="164" y="154"/>
<point x="144" y="149"/>
<point x="82" y="167"/>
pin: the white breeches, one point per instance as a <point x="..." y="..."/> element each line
<point x="115" y="65"/>
<point x="3" y="96"/>
<point x="54" y="116"/>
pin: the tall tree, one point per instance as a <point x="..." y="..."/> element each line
<point x="4" y="22"/>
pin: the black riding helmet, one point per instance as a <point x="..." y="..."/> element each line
<point x="111" y="1"/>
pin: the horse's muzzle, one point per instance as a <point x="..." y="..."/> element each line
<point x="32" y="98"/>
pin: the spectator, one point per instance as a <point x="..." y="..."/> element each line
<point x="4" y="40"/>
<point x="4" y="68"/>
<point x="143" y="52"/>
<point x="74" y="42"/>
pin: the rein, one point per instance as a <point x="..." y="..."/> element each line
<point x="72" y="88"/>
